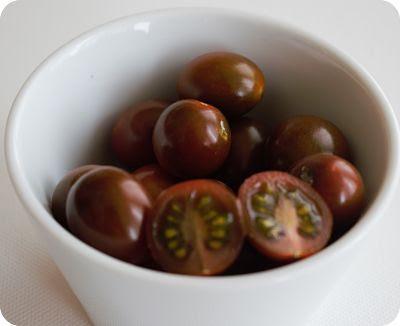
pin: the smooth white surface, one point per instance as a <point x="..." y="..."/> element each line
<point x="324" y="318"/>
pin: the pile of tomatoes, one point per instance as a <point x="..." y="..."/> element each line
<point x="206" y="190"/>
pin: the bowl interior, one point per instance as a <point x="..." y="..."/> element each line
<point x="67" y="109"/>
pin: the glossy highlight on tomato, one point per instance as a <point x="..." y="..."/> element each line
<point x="154" y="179"/>
<point x="59" y="198"/>
<point x="191" y="139"/>
<point x="131" y="138"/>
<point x="301" y="136"/>
<point x="229" y="81"/>
<point x="285" y="218"/>
<point x="338" y="182"/>
<point x="107" y="209"/>
<point x="196" y="228"/>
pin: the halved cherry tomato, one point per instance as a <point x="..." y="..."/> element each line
<point x="285" y="218"/>
<point x="153" y="179"/>
<point x="196" y="228"/>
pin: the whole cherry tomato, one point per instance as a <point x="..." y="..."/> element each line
<point x="338" y="182"/>
<point x="302" y="136"/>
<point x="107" y="209"/>
<point x="59" y="198"/>
<point x="131" y="139"/>
<point x="191" y="139"/>
<point x="229" y="81"/>
<point x="246" y="153"/>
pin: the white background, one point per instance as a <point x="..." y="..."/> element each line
<point x="33" y="292"/>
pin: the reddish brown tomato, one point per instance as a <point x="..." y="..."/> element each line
<point x="153" y="179"/>
<point x="285" y="218"/>
<point x="302" y="136"/>
<point x="246" y="153"/>
<point x="59" y="198"/>
<point x="131" y="139"/>
<point x="196" y="228"/>
<point x="338" y="182"/>
<point x="229" y="81"/>
<point x="107" y="209"/>
<point x="191" y="139"/>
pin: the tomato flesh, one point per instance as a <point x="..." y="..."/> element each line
<point x="196" y="228"/>
<point x="285" y="218"/>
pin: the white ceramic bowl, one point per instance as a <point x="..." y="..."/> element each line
<point x="62" y="118"/>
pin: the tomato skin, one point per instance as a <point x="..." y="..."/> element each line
<point x="107" y="209"/>
<point x="338" y="182"/>
<point x="195" y="227"/>
<point x="59" y="198"/>
<point x="153" y="179"/>
<point x="131" y="137"/>
<point x="284" y="241"/>
<point x="191" y="139"/>
<point x="246" y="153"/>
<point x="301" y="136"/>
<point x="229" y="81"/>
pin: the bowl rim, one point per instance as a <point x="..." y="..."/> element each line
<point x="280" y="274"/>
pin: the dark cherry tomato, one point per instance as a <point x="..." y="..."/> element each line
<point x="285" y="218"/>
<point x="338" y="182"/>
<point x="59" y="198"/>
<point x="229" y="81"/>
<point x="153" y="179"/>
<point x="191" y="139"/>
<point x="302" y="136"/>
<point x="246" y="153"/>
<point x="131" y="139"/>
<point x="107" y="209"/>
<point x="196" y="228"/>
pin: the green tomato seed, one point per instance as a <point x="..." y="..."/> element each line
<point x="170" y="233"/>
<point x="215" y="244"/>
<point x="181" y="253"/>
<point x="218" y="233"/>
